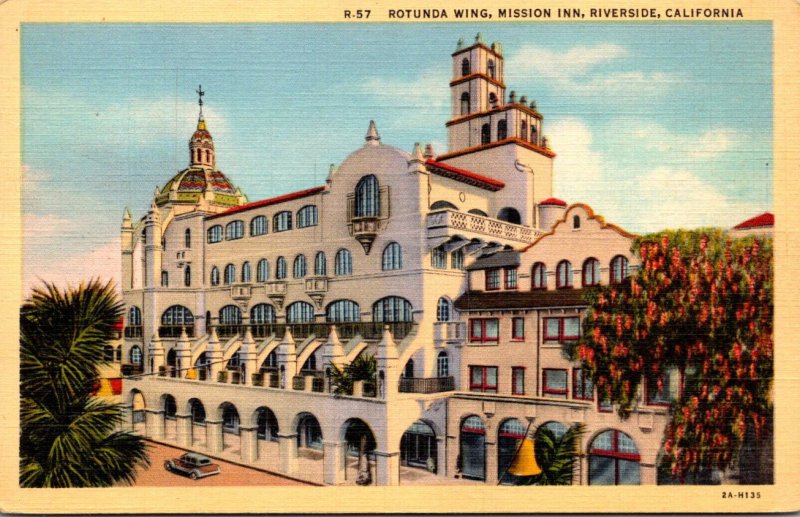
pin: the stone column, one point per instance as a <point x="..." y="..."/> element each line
<point x="156" y="352"/>
<point x="441" y="456"/>
<point x="247" y="357"/>
<point x="249" y="444"/>
<point x="387" y="358"/>
<point x="287" y="446"/>
<point x="214" y="435"/>
<point x="287" y="359"/>
<point x="388" y="468"/>
<point x="183" y="354"/>
<point x="184" y="430"/>
<point x="213" y="355"/>
<point x="491" y="461"/>
<point x="126" y="423"/>
<point x="333" y="463"/>
<point x="154" y="419"/>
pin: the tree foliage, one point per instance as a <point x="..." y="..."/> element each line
<point x="701" y="302"/>
<point x="67" y="435"/>
<point x="363" y="368"/>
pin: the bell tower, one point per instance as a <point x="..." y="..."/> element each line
<point x="201" y="145"/>
<point x="477" y="83"/>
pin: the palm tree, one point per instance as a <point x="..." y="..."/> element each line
<point x="363" y="368"/>
<point x="556" y="456"/>
<point x="67" y="435"/>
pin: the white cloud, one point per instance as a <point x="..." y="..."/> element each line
<point x="36" y="226"/>
<point x="577" y="169"/>
<point x="573" y="72"/>
<point x="424" y="91"/>
<point x="102" y="262"/>
<point x="709" y="144"/>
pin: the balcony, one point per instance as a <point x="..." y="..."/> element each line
<point x="174" y="331"/>
<point x="449" y="331"/>
<point x="446" y="223"/>
<point x="133" y="332"/>
<point x="346" y="330"/>
<point x="426" y="385"/>
<point x="241" y="292"/>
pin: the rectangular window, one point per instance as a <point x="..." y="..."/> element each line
<point x="511" y="277"/>
<point x="518" y="329"/>
<point x="483" y="379"/>
<point x="554" y="383"/>
<point x="605" y="406"/>
<point x="582" y="387"/>
<point x="483" y="329"/>
<point x="492" y="279"/>
<point x="562" y="329"/>
<point x="518" y="380"/>
<point x="439" y="258"/>
<point x="457" y="259"/>
<point x="662" y="390"/>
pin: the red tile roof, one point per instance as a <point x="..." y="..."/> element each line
<point x="270" y="201"/>
<point x="464" y="176"/>
<point x="765" y="219"/>
<point x="553" y="201"/>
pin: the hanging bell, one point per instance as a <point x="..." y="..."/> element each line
<point x="524" y="463"/>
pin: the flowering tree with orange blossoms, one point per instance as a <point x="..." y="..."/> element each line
<point x="700" y="302"/>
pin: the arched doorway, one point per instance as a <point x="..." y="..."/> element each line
<point x="201" y="366"/>
<point x="309" y="446"/>
<point x="359" y="452"/>
<point x="138" y="420"/>
<point x="418" y="448"/>
<point x="198" y="412"/>
<point x="266" y="435"/>
<point x="170" y="419"/>
<point x="473" y="448"/>
<point x="613" y="459"/>
<point x="229" y="415"/>
<point x="509" y="436"/>
<point x="172" y="360"/>
<point x="510" y="215"/>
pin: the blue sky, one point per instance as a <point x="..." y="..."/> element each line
<point x="655" y="125"/>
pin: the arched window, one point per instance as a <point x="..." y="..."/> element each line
<point x="208" y="156"/>
<point x="174" y="319"/>
<point x="187" y="238"/>
<point x="300" y="312"/>
<point x="187" y="275"/>
<point x="443" y="309"/>
<point x="230" y="274"/>
<point x="564" y="274"/>
<point x="214" y="234"/>
<point x="230" y="419"/>
<point x="246" y="273"/>
<point x="392" y="309"/>
<point x="299" y="268"/>
<point x="280" y="268"/>
<point x="267" y="425"/>
<point x="465" y="103"/>
<point x="613" y="459"/>
<point x="282" y="221"/>
<point x="234" y="230"/>
<point x="392" y="257"/>
<point x="262" y="272"/>
<point x="486" y="134"/>
<point x="502" y="129"/>
<point x="134" y="317"/>
<point x="214" y="276"/>
<point x="258" y="225"/>
<point x="509" y="436"/>
<point x="262" y="313"/>
<point x="465" y="66"/>
<point x="539" y="276"/>
<point x="591" y="272"/>
<point x="492" y="100"/>
<point x="311" y="363"/>
<point x="523" y="130"/>
<point x="343" y="263"/>
<point x="491" y="69"/>
<point x="473" y="448"/>
<point x="320" y="264"/>
<point x="367" y="197"/>
<point x="441" y="205"/>
<point x="343" y="310"/>
<point x="576" y="222"/>
<point x="164" y="279"/>
<point x="619" y="269"/>
<point x="230" y="315"/>
<point x="136" y="355"/>
<point x="509" y="215"/>
<point x="442" y="365"/>
<point x="307" y="216"/>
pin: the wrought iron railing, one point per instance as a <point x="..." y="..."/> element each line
<point x="426" y="385"/>
<point x="174" y="331"/>
<point x="133" y="331"/>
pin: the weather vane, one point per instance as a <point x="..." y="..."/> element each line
<point x="200" y="94"/>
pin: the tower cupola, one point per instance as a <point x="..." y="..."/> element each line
<point x="201" y="145"/>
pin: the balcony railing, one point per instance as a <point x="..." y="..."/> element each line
<point x="174" y="331"/>
<point x="133" y="331"/>
<point x="426" y="385"/>
<point x="441" y="222"/>
<point x="346" y="330"/>
<point x="449" y="331"/>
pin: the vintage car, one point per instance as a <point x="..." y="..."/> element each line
<point x="193" y="464"/>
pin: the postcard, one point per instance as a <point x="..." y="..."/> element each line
<point x="369" y="258"/>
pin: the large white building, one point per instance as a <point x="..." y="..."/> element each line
<point x="236" y="311"/>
